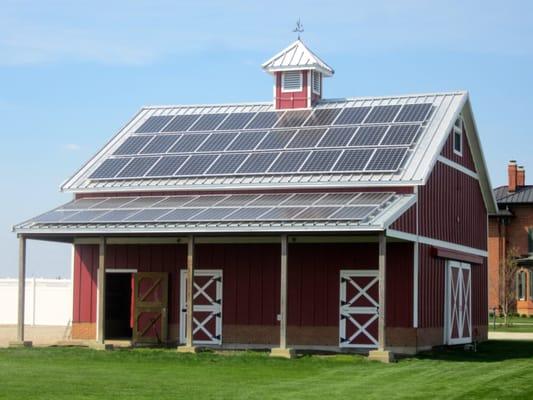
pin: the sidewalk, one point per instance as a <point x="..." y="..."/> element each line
<point x="510" y="335"/>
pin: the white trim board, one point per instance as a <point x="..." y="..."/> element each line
<point x="458" y="167"/>
<point x="435" y="242"/>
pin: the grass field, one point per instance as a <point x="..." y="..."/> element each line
<point x="499" y="370"/>
<point x="516" y="324"/>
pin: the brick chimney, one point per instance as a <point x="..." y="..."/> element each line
<point x="512" y="173"/>
<point x="520" y="176"/>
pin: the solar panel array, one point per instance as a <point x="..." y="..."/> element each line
<point x="334" y="140"/>
<point x="220" y="208"/>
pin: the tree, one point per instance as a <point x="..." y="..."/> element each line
<point x="508" y="272"/>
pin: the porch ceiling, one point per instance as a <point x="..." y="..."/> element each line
<point x="239" y="213"/>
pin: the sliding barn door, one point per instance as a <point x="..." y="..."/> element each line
<point x="458" y="303"/>
<point x="151" y="303"/>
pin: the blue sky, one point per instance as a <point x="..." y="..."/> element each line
<point x="71" y="73"/>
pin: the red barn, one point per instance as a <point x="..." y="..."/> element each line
<point x="356" y="224"/>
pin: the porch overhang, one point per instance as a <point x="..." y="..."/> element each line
<point x="220" y="214"/>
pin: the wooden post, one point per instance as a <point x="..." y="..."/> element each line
<point x="100" y="335"/>
<point x="189" y="345"/>
<point x="282" y="350"/>
<point x="381" y="354"/>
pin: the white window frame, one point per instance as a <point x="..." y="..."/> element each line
<point x="316" y="77"/>
<point x="285" y="90"/>
<point x="458" y="132"/>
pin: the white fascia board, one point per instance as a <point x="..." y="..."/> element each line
<point x="394" y="211"/>
<point x="435" y="242"/>
<point x="457" y="166"/>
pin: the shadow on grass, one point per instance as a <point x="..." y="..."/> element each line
<point x="491" y="351"/>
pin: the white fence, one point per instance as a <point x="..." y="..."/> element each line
<point x="48" y="301"/>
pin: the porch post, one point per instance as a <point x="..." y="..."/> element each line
<point x="100" y="334"/>
<point x="381" y="354"/>
<point x="282" y="350"/>
<point x="189" y="345"/>
<point x="20" y="342"/>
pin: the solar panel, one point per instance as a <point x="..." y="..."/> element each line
<point x="337" y="137"/>
<point x="302" y="199"/>
<point x="160" y="144"/>
<point x="353" y="213"/>
<point x="132" y="145"/>
<point x="316" y="213"/>
<point x="196" y="165"/>
<point x="293" y="118"/>
<point x="143" y="202"/>
<point x="109" y="168"/>
<point x="113" y="202"/>
<point x="211" y="214"/>
<point x="208" y="122"/>
<point x="188" y="143"/>
<point x="352" y="115"/>
<point x="289" y="161"/>
<point x="323" y="117"/>
<point x="236" y="121"/>
<point x="137" y="167"/>
<point x="414" y="112"/>
<point x="336" y="199"/>
<point x="54" y="216"/>
<point x="115" y="216"/>
<point x="353" y="160"/>
<point x="217" y="142"/>
<point x="84" y="216"/>
<point x="387" y="159"/>
<point x="282" y="213"/>
<point x="237" y="200"/>
<point x="226" y="164"/>
<point x="264" y="120"/>
<point x="381" y="114"/>
<point x="276" y="140"/>
<point x="257" y="163"/>
<point x="175" y="201"/>
<point x="167" y="166"/>
<point x="82" y="203"/>
<point x="369" y="135"/>
<point x="247" y="140"/>
<point x="148" y="214"/>
<point x="401" y="134"/>
<point x="269" y="200"/>
<point x="181" y="123"/>
<point x="306" y="138"/>
<point x="247" y="214"/>
<point x="154" y="124"/>
<point x="180" y="214"/>
<point x="205" y="201"/>
<point x="371" y="198"/>
<point x="321" y="161"/>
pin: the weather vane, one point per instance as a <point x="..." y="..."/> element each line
<point x="299" y="28"/>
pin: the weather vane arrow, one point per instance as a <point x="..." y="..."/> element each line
<point x="299" y="28"/>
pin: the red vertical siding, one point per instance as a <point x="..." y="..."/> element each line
<point x="480" y="310"/>
<point x="466" y="159"/>
<point x="431" y="286"/>
<point x="451" y="208"/>
<point x="85" y="270"/>
<point x="406" y="222"/>
<point x="399" y="292"/>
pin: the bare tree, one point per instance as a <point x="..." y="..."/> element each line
<point x="508" y="272"/>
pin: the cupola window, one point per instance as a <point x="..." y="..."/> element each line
<point x="291" y="81"/>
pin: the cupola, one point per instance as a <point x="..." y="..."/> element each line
<point x="298" y="76"/>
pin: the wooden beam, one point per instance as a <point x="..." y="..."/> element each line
<point x="21" y="289"/>
<point x="100" y="334"/>
<point x="190" y="288"/>
<point x="382" y="286"/>
<point x="283" y="293"/>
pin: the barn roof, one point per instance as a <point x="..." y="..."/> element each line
<point x="215" y="213"/>
<point x="296" y="56"/>
<point x="355" y="142"/>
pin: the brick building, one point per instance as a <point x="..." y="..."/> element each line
<point x="512" y="228"/>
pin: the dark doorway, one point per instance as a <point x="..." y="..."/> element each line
<point x="118" y="306"/>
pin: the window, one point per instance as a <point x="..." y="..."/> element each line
<point x="316" y="82"/>
<point x="458" y="137"/>
<point x="521" y="285"/>
<point x="291" y="81"/>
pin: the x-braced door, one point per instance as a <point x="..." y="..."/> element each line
<point x="207" y="306"/>
<point x="359" y="308"/>
<point x="458" y="304"/>
<point x="151" y="297"/>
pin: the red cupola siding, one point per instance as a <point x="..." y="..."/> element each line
<point x="336" y="224"/>
<point x="298" y="76"/>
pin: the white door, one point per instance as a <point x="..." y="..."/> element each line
<point x="207" y="306"/>
<point x="359" y="308"/>
<point x="458" y="303"/>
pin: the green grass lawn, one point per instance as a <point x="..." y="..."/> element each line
<point x="499" y="370"/>
<point x="516" y="324"/>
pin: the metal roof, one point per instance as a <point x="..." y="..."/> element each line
<point x="522" y="195"/>
<point x="414" y="170"/>
<point x="296" y="56"/>
<point x="294" y="212"/>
